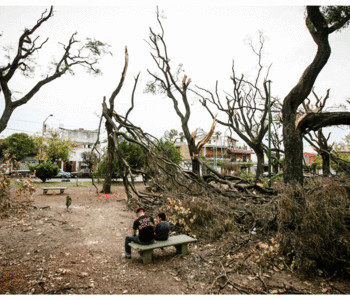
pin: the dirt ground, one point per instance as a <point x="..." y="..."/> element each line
<point x="49" y="250"/>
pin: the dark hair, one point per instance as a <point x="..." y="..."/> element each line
<point x="140" y="209"/>
<point x="162" y="216"/>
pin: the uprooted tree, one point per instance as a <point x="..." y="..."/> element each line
<point x="74" y="54"/>
<point x="166" y="174"/>
<point x="321" y="23"/>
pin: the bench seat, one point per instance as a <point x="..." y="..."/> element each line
<point x="180" y="242"/>
<point x="45" y="189"/>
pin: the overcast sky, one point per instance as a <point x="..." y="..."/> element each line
<point x="204" y="38"/>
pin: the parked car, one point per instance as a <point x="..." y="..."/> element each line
<point x="82" y="174"/>
<point x="62" y="174"/>
<point x="266" y="174"/>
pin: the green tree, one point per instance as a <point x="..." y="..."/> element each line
<point x="170" y="135"/>
<point x="89" y="158"/>
<point x="167" y="147"/>
<point x="135" y="157"/>
<point x="52" y="147"/>
<point x="340" y="156"/>
<point x="45" y="170"/>
<point x="19" y="145"/>
<point x="168" y="150"/>
<point x="131" y="152"/>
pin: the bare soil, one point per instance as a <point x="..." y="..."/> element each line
<point x="46" y="249"/>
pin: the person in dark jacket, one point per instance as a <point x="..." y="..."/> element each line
<point x="162" y="228"/>
<point x="144" y="224"/>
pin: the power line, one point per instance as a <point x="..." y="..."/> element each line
<point x="26" y="121"/>
<point x="31" y="121"/>
<point x="19" y="130"/>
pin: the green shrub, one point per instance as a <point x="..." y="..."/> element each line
<point x="45" y="170"/>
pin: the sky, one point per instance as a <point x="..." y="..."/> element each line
<point x="205" y="38"/>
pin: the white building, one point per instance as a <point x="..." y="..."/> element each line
<point x="85" y="140"/>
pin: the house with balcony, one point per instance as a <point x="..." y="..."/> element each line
<point x="218" y="148"/>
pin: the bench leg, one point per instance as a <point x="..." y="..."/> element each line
<point x="45" y="191"/>
<point x="146" y="256"/>
<point x="182" y="249"/>
<point x="61" y="191"/>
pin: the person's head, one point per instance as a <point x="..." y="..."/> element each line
<point x="162" y="216"/>
<point x="140" y="212"/>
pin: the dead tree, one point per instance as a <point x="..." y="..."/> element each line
<point x="74" y="53"/>
<point x="316" y="138"/>
<point x="246" y="109"/>
<point x="110" y="143"/>
<point x="175" y="89"/>
<point x="320" y="144"/>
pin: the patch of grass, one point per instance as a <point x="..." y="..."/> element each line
<point x="73" y="183"/>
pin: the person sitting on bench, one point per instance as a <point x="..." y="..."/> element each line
<point x="144" y="224"/>
<point x="162" y="228"/>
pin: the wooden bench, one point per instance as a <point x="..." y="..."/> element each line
<point x="45" y="189"/>
<point x="180" y="242"/>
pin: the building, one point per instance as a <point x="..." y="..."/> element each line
<point x="85" y="140"/>
<point x="309" y="158"/>
<point x="217" y="148"/>
<point x="237" y="152"/>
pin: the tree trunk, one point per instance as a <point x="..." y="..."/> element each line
<point x="260" y="162"/>
<point x="196" y="167"/>
<point x="109" y="161"/>
<point x="292" y="134"/>
<point x="192" y="149"/>
<point x="126" y="187"/>
<point x="276" y="162"/>
<point x="326" y="163"/>
<point x="293" y="149"/>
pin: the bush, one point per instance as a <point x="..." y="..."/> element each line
<point x="312" y="224"/>
<point x="198" y="217"/>
<point x="44" y="170"/>
<point x="179" y="216"/>
<point x="23" y="188"/>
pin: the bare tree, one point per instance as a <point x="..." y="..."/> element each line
<point x="317" y="139"/>
<point x="110" y="142"/>
<point x="246" y="109"/>
<point x="320" y="143"/>
<point x="170" y="84"/>
<point x="74" y="53"/>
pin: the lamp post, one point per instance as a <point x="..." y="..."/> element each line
<point x="43" y="130"/>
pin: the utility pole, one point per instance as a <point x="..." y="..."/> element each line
<point x="270" y="121"/>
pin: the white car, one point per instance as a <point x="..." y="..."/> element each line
<point x="266" y="174"/>
<point x="62" y="174"/>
